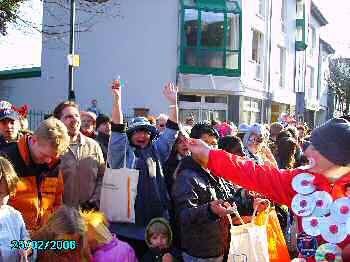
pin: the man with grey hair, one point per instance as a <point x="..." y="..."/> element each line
<point x="161" y="122"/>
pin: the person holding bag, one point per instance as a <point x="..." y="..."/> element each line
<point x="201" y="203"/>
<point x="316" y="193"/>
<point x="141" y="147"/>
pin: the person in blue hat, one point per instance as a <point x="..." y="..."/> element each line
<point x="9" y="127"/>
<point x="145" y="150"/>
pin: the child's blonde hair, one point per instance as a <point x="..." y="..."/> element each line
<point x="8" y="173"/>
<point x="97" y="222"/>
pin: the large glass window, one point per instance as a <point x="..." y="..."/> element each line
<point x="211" y="38"/>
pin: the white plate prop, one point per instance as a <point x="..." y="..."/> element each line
<point x="328" y="252"/>
<point x="311" y="225"/>
<point x="303" y="205"/>
<point x="323" y="201"/>
<point x="303" y="183"/>
<point x="340" y="210"/>
<point x="332" y="231"/>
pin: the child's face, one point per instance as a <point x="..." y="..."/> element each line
<point x="4" y="192"/>
<point x="159" y="240"/>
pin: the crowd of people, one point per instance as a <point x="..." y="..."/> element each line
<point x="191" y="176"/>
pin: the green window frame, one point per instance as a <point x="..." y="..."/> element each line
<point x="301" y="27"/>
<point x="204" y="49"/>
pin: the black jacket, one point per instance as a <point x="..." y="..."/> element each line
<point x="103" y="141"/>
<point x="203" y="234"/>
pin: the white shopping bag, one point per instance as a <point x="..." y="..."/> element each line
<point x="118" y="194"/>
<point x="249" y="243"/>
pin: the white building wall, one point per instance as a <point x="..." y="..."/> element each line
<point x="312" y="56"/>
<point x="286" y="39"/>
<point x="129" y="46"/>
<point x="252" y="20"/>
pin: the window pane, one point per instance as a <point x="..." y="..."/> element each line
<point x="261" y="7"/>
<point x="216" y="99"/>
<point x="300" y="9"/>
<point x="212" y="30"/>
<point x="233" y="31"/>
<point x="189" y="98"/>
<point x="232" y="60"/>
<point x="257" y="47"/>
<point x="190" y="58"/>
<point x="191" y="27"/>
<point x="299" y="34"/>
<point x="189" y="3"/>
<point x="211" y="59"/>
<point x="186" y="113"/>
<point x="204" y="58"/>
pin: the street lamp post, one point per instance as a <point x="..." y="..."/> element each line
<point x="71" y="92"/>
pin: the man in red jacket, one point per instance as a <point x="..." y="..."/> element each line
<point x="316" y="194"/>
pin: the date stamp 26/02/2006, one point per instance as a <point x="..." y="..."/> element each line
<point x="64" y="245"/>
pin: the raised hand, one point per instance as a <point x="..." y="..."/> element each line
<point x="170" y="92"/>
<point x="116" y="89"/>
<point x="200" y="151"/>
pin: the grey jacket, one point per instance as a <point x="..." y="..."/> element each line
<point x="152" y="196"/>
<point x="83" y="173"/>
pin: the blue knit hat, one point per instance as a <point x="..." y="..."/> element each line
<point x="141" y="123"/>
<point x="332" y="140"/>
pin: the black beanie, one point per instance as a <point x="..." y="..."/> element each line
<point x="332" y="140"/>
<point x="102" y="119"/>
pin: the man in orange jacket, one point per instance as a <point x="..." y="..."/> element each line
<point x="316" y="194"/>
<point x="35" y="159"/>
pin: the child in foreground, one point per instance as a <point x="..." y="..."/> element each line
<point x="12" y="226"/>
<point x="66" y="225"/>
<point x="158" y="238"/>
<point x="105" y="246"/>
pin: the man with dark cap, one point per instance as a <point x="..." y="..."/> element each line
<point x="9" y="126"/>
<point x="103" y="128"/>
<point x="309" y="191"/>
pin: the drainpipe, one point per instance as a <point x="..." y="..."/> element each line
<point x="269" y="95"/>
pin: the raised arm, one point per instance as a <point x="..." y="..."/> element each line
<point x="166" y="140"/>
<point x="265" y="179"/>
<point x="117" y="113"/>
<point x="118" y="142"/>
<point x="170" y="93"/>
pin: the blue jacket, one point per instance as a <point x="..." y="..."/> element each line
<point x="152" y="196"/>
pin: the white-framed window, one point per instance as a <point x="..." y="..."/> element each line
<point x="282" y="66"/>
<point x="257" y="52"/>
<point x="310" y="82"/>
<point x="283" y="15"/>
<point x="312" y="40"/>
<point x="261" y="8"/>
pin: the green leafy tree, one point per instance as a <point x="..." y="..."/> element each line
<point x="339" y="82"/>
<point x="8" y="13"/>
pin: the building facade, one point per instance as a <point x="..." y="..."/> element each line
<point x="236" y="60"/>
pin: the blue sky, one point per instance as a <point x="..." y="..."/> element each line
<point x="22" y="47"/>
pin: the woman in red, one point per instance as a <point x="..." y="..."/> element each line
<point x="315" y="193"/>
